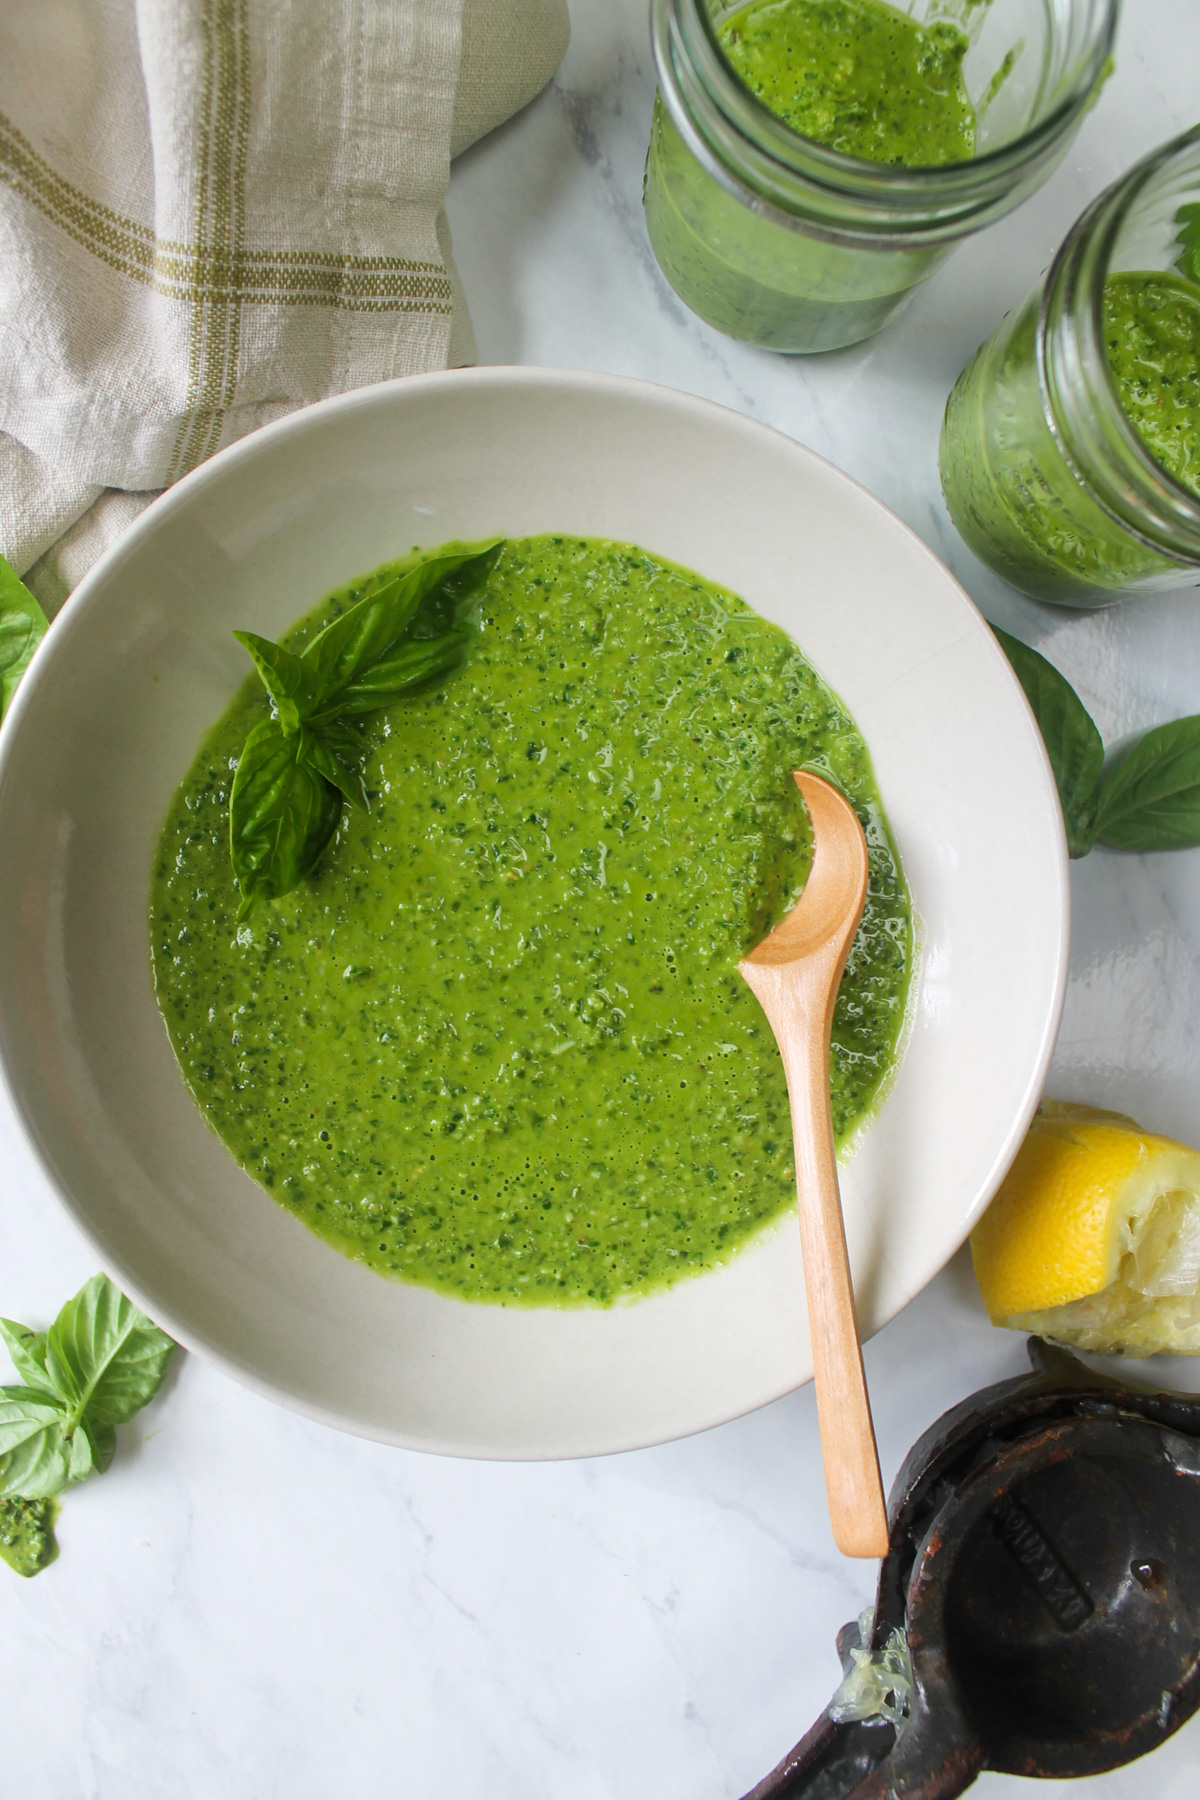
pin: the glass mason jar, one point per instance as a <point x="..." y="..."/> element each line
<point x="1043" y="473"/>
<point x="784" y="242"/>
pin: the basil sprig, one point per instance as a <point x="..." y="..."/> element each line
<point x="298" y="767"/>
<point x="98" y="1364"/>
<point x="1149" y="801"/>
<point x="22" y="628"/>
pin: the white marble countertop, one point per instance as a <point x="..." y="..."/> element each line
<point x="252" y="1605"/>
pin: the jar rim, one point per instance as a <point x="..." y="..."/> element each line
<point x="724" y="122"/>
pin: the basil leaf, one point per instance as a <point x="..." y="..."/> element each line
<point x="282" y="813"/>
<point x="105" y="1359"/>
<point x="295" y="769"/>
<point x="103" y="1441"/>
<point x="1151" y="801"/>
<point x="27" y="1351"/>
<point x="81" y="1463"/>
<point x="22" y="628"/>
<point x="448" y="606"/>
<point x="35" y="1454"/>
<point x="365" y="632"/>
<point x="1188" y="239"/>
<point x="106" y="1354"/>
<point x="1069" y="733"/>
<point x="338" y="751"/>
<point x="293" y="685"/>
<point x="38" y="1468"/>
<point x="345" y="651"/>
<point x="388" y="680"/>
<point x="23" y="1415"/>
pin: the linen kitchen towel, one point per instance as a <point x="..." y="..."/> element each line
<point x="215" y="211"/>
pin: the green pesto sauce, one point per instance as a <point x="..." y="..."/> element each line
<point x="858" y="75"/>
<point x="1010" y="490"/>
<point x="497" y="1042"/>
<point x="1152" y="342"/>
<point x="27" y="1541"/>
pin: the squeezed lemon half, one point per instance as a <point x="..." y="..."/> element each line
<point x="1094" y="1236"/>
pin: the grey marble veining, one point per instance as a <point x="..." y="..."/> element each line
<point x="253" y="1606"/>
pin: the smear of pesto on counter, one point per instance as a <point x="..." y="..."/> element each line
<point x="497" y="1042"/>
<point x="27" y="1541"/>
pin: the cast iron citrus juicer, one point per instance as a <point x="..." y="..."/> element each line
<point x="1041" y="1556"/>
<point x="1043" y="1570"/>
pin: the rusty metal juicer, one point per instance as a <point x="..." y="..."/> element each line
<point x="1044" y="1569"/>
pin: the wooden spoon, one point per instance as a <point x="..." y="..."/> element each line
<point x="795" y="973"/>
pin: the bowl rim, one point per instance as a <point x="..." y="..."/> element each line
<point x="499" y="377"/>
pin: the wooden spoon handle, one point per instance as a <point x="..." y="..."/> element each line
<point x="852" y="1479"/>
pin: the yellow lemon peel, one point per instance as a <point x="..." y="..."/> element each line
<point x="1094" y="1236"/>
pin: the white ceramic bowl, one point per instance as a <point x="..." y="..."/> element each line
<point x="141" y="662"/>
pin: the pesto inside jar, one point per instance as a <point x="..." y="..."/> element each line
<point x="1017" y="499"/>
<point x="859" y="76"/>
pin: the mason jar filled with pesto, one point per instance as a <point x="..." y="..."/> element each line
<point x="812" y="161"/>
<point x="1070" y="453"/>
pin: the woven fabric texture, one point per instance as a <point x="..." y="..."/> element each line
<point x="215" y="211"/>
